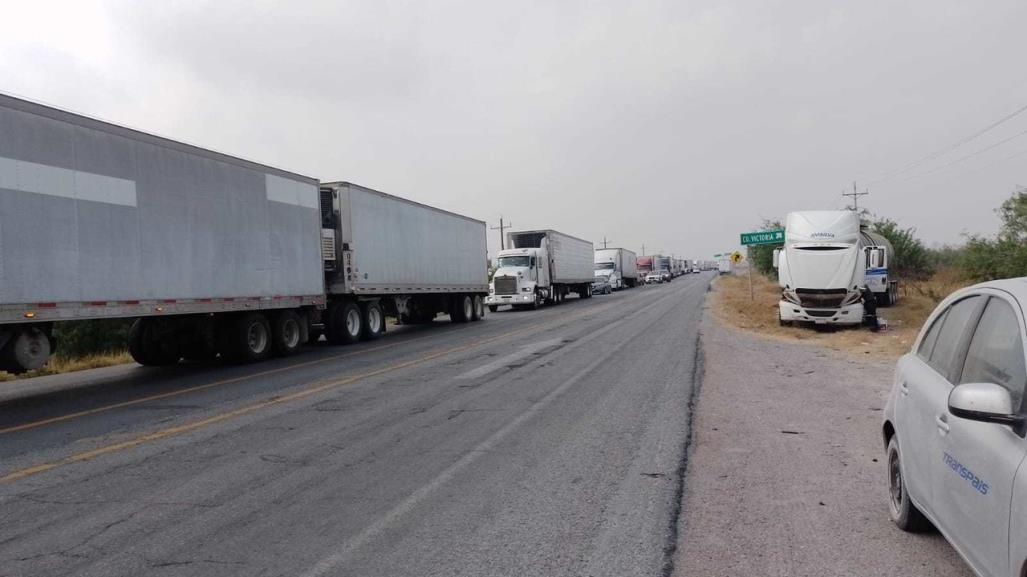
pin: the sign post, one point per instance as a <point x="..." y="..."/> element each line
<point x="750" y="239"/>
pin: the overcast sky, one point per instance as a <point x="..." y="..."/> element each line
<point x="674" y="124"/>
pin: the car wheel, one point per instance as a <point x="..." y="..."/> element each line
<point x="903" y="512"/>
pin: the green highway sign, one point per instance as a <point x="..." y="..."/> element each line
<point x="763" y="237"/>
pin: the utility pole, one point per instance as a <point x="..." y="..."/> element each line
<point x="605" y="242"/>
<point x="855" y="196"/>
<point x="502" y="235"/>
<point x="643" y="249"/>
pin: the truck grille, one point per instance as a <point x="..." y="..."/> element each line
<point x="820" y="313"/>
<point x="505" y="285"/>
<point x="821" y="298"/>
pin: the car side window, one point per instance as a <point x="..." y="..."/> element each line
<point x="950" y="338"/>
<point x="996" y="351"/>
<point x="927" y="345"/>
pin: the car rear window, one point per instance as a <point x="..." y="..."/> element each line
<point x="953" y="330"/>
<point x="927" y="345"/>
<point x="996" y="351"/>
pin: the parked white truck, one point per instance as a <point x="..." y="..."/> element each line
<point x="213" y="255"/>
<point x="539" y="267"/>
<point x="618" y="266"/>
<point x="827" y="260"/>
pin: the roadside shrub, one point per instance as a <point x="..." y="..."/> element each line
<point x="81" y="338"/>
<point x="912" y="260"/>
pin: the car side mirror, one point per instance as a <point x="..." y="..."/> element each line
<point x="984" y="402"/>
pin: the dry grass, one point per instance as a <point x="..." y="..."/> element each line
<point x="58" y="365"/>
<point x="730" y="303"/>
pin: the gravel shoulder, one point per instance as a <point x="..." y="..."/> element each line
<point x="785" y="472"/>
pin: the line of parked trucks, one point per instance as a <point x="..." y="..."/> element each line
<point x="215" y="256"/>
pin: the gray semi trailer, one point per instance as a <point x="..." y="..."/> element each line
<point x="212" y="254"/>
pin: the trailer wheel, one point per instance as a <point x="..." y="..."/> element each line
<point x="247" y="338"/>
<point x="373" y="320"/>
<point x="28" y="349"/>
<point x="286" y="333"/>
<point x="462" y="309"/>
<point x="344" y="323"/>
<point x="479" y="308"/>
<point x="148" y="348"/>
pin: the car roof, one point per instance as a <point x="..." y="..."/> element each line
<point x="1017" y="287"/>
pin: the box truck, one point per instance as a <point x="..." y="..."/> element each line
<point x="827" y="261"/>
<point x="541" y="267"/>
<point x="212" y="255"/>
<point x="618" y="266"/>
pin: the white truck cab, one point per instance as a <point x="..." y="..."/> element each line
<point x="826" y="262"/>
<point x="519" y="280"/>
<point x="608" y="270"/>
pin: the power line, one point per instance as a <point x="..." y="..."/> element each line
<point x="971" y="155"/>
<point x="947" y="149"/>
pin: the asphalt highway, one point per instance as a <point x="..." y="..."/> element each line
<point x="547" y="442"/>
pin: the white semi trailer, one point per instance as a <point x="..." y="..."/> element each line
<point x="539" y="267"/>
<point x="827" y="261"/>
<point x="618" y="266"/>
<point x="213" y="255"/>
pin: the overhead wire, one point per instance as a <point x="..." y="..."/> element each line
<point x="968" y="156"/>
<point x="949" y="148"/>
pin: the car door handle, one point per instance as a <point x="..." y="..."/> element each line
<point x="943" y="423"/>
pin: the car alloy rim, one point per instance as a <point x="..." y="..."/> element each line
<point x="894" y="481"/>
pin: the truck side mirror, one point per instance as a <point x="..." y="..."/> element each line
<point x="777" y="257"/>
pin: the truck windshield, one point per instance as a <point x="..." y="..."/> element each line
<point x="506" y="261"/>
<point x="604" y="266"/>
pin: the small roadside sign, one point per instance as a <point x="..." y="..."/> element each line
<point x="763" y="237"/>
<point x="736" y="257"/>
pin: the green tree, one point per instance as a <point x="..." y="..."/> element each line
<point x="911" y="260"/>
<point x="1006" y="255"/>
<point x="763" y="255"/>
<point x="1013" y="213"/>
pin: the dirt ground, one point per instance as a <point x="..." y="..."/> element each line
<point x="731" y="305"/>
<point x="785" y="473"/>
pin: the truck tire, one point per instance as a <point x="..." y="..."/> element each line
<point x="538" y="302"/>
<point x="462" y="309"/>
<point x="479" y="308"/>
<point x="286" y="332"/>
<point x="148" y="346"/>
<point x="247" y="338"/>
<point x="373" y="320"/>
<point x="28" y="349"/>
<point x="345" y="323"/>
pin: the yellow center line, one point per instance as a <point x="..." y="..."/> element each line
<point x="272" y="401"/>
<point x="177" y="392"/>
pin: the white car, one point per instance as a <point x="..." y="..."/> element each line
<point x="653" y="277"/>
<point x="954" y="428"/>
